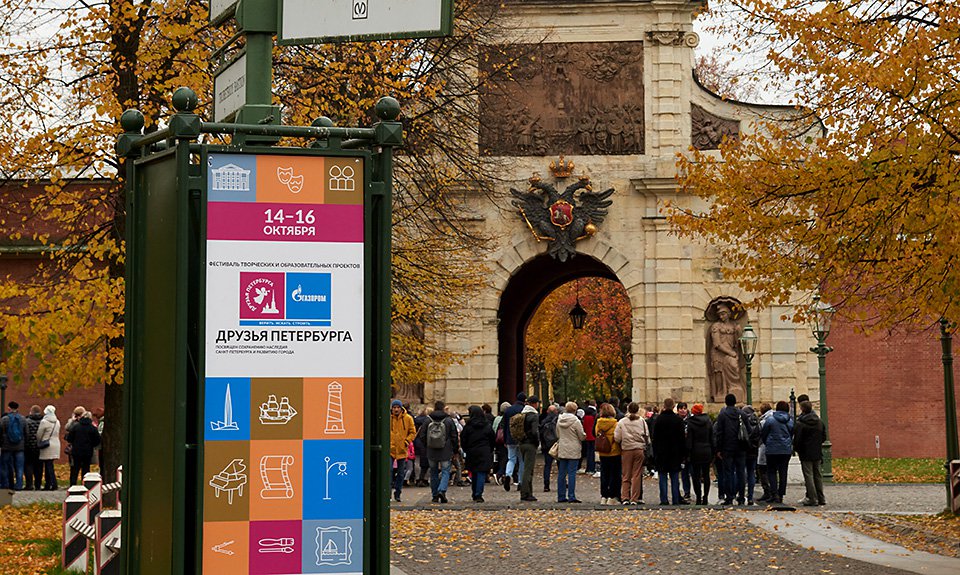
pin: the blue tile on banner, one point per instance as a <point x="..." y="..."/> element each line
<point x="226" y="410"/>
<point x="333" y="478"/>
<point x="334" y="546"/>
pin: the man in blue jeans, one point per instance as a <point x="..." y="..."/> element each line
<point x="512" y="454"/>
<point x="439" y="434"/>
<point x="731" y="451"/>
<point x="13" y="428"/>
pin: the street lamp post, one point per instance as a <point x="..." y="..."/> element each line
<point x="748" y="344"/>
<point x="3" y="393"/>
<point x="822" y="316"/>
<point x="949" y="401"/>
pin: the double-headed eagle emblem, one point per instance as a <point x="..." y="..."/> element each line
<point x="562" y="218"/>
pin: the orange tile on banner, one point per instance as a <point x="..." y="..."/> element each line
<point x="290" y="179"/>
<point x="276" y="480"/>
<point x="333" y="408"/>
<point x="226" y="547"/>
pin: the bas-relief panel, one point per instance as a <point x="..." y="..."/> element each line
<point x="569" y="98"/>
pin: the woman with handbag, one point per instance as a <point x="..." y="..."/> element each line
<point x="609" y="451"/>
<point x="567" y="452"/>
<point x="48" y="441"/>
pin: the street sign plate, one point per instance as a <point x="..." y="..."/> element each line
<point x="315" y="21"/>
<point x="220" y="10"/>
<point x="230" y="89"/>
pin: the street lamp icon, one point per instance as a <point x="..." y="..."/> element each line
<point x="341" y="467"/>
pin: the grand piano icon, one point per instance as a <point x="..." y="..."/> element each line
<point x="231" y="479"/>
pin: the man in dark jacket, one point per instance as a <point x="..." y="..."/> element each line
<point x="512" y="468"/>
<point x="84" y="438"/>
<point x="752" y="450"/>
<point x="32" y="469"/>
<point x="808" y="438"/>
<point x="527" y="447"/>
<point x="13" y="427"/>
<point x="731" y="451"/>
<point x="439" y="455"/>
<point x="670" y="445"/>
<point x="700" y="451"/>
<point x="548" y="436"/>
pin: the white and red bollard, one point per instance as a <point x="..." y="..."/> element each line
<point x="74" y="545"/>
<point x="94" y="484"/>
<point x="107" y="548"/>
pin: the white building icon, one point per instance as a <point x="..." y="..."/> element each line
<point x="231" y="178"/>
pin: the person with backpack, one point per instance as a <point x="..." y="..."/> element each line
<point x="808" y="441"/>
<point x="548" y="436"/>
<point x="732" y="436"/>
<point x="590" y="443"/>
<point x="500" y="451"/>
<point x="441" y="438"/>
<point x="525" y="428"/>
<point x="514" y="466"/>
<point x="13" y="428"/>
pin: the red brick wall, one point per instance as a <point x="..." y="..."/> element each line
<point x="90" y="398"/>
<point x="886" y="385"/>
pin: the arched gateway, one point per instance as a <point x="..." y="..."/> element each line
<point x="609" y="95"/>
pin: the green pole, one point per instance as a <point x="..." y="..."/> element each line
<point x="749" y="381"/>
<point x="949" y="402"/>
<point x="388" y="134"/>
<point x="822" y="350"/>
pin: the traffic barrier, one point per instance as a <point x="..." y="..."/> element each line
<point x="108" y="543"/>
<point x="74" y="545"/>
<point x="85" y="521"/>
<point x="94" y="484"/>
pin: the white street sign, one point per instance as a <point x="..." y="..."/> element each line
<point x="307" y="21"/>
<point x="230" y="89"/>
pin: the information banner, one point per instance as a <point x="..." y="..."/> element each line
<point x="283" y="416"/>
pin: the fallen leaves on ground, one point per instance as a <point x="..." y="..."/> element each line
<point x="939" y="534"/>
<point x="30" y="539"/>
<point x="890" y="470"/>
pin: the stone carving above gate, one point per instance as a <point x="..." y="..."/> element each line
<point x="707" y="131"/>
<point x="571" y="98"/>
<point x="562" y="218"/>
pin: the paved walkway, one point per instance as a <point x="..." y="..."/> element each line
<point x="827" y="537"/>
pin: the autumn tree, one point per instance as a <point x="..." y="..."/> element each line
<point x="600" y="352"/>
<point x="855" y="195"/>
<point x="67" y="74"/>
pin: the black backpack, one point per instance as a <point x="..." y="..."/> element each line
<point x="548" y="432"/>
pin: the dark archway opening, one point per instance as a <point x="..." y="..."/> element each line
<point x="526" y="289"/>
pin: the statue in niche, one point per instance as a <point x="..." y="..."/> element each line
<point x="725" y="361"/>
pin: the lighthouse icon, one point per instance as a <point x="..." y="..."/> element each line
<point x="334" y="425"/>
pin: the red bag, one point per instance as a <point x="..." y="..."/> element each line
<point x="500" y="439"/>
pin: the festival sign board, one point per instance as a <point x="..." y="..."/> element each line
<point x="283" y="465"/>
<point x="314" y="22"/>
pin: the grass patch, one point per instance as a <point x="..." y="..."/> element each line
<point x="888" y="470"/>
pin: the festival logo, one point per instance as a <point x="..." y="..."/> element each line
<point x="261" y="295"/>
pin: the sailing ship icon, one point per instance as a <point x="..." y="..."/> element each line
<point x="334" y="545"/>
<point x="228" y="424"/>
<point x="276" y="413"/>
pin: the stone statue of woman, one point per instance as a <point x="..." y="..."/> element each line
<point x="724" y="356"/>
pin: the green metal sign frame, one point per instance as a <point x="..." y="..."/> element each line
<point x="163" y="456"/>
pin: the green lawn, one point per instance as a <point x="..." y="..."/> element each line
<point x="900" y="470"/>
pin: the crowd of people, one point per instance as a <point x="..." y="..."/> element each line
<point x="680" y="446"/>
<point x="30" y="444"/>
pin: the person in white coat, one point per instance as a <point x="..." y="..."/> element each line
<point x="48" y="436"/>
<point x="570" y="435"/>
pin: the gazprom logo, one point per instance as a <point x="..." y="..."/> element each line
<point x="310" y="301"/>
<point x="297" y="295"/>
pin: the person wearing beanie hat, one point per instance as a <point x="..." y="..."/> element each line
<point x="402" y="433"/>
<point x="731" y="451"/>
<point x="48" y="439"/>
<point x="700" y="452"/>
